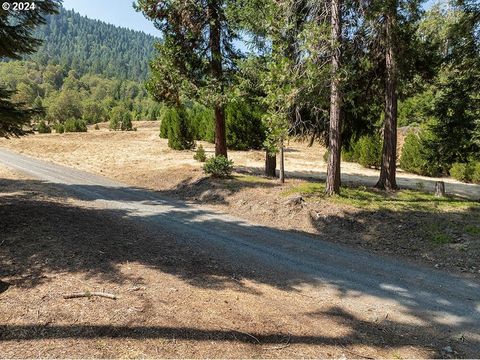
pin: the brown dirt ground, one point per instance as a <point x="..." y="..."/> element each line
<point x="141" y="158"/>
<point x="173" y="301"/>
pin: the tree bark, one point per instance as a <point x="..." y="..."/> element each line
<point x="282" y="165"/>
<point x="215" y="41"/>
<point x="334" y="142"/>
<point x="220" y="132"/>
<point x="270" y="165"/>
<point x="387" y="180"/>
<point x="440" y="189"/>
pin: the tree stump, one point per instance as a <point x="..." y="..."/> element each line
<point x="440" y="189"/>
<point x="270" y="165"/>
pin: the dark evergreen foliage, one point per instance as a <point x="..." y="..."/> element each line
<point x="16" y="39"/>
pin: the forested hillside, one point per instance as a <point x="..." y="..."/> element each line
<point x="85" y="72"/>
<point x="61" y="94"/>
<point x="92" y="46"/>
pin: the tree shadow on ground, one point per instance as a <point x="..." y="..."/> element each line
<point x="381" y="334"/>
<point x="404" y="181"/>
<point x="209" y="190"/>
<point x="198" y="246"/>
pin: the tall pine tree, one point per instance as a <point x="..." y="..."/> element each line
<point x="196" y="55"/>
<point x="16" y="39"/>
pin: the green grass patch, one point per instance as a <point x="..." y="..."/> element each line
<point x="472" y="229"/>
<point x="252" y="179"/>
<point x="306" y="188"/>
<point x="437" y="235"/>
<point x="441" y="238"/>
<point x="369" y="198"/>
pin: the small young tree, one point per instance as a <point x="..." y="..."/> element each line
<point x="279" y="100"/>
<point x="177" y="127"/>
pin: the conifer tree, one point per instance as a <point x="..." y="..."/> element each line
<point x="196" y="55"/>
<point x="16" y="39"/>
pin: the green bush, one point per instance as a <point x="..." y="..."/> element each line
<point x="163" y="125"/>
<point x="326" y="154"/>
<point x="96" y="127"/>
<point x="243" y="122"/>
<point x="43" y="128"/>
<point x="415" y="157"/>
<point x="368" y="151"/>
<point x="200" y="154"/>
<point x="476" y="172"/>
<point x="126" y="123"/>
<point x="120" y="119"/>
<point x="177" y="127"/>
<point x="218" y="166"/>
<point x="244" y="125"/>
<point x="348" y="155"/>
<point x="59" y="128"/>
<point x="75" y="125"/>
<point x="202" y="123"/>
<point x="467" y="172"/>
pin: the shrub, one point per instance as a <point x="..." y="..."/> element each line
<point x="75" y="125"/>
<point x="244" y="125"/>
<point x="114" y="123"/>
<point x="467" y="172"/>
<point x="120" y="119"/>
<point x="175" y="123"/>
<point x="202" y="122"/>
<point x="476" y="172"/>
<point x="368" y="151"/>
<point x="218" y="166"/>
<point x="326" y="154"/>
<point x="348" y="155"/>
<point x="126" y="123"/>
<point x="163" y="124"/>
<point x="200" y="154"/>
<point x="460" y="171"/>
<point x="96" y="127"/>
<point x="415" y="156"/>
<point x="243" y="122"/>
<point x="59" y="128"/>
<point x="43" y="128"/>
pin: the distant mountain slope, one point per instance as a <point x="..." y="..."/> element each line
<point x="92" y="46"/>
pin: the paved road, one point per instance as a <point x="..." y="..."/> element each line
<point x="291" y="260"/>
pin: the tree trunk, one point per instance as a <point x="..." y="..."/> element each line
<point x="387" y="180"/>
<point x="334" y="142"/>
<point x="215" y="41"/>
<point x="220" y="132"/>
<point x="270" y="165"/>
<point x="282" y="165"/>
<point x="440" y="189"/>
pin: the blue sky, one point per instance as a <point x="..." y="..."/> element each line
<point x="116" y="12"/>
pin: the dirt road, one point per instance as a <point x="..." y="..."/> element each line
<point x="142" y="158"/>
<point x="442" y="307"/>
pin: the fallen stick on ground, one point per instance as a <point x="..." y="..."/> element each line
<point x="244" y="333"/>
<point x="89" y="294"/>
<point x="280" y="347"/>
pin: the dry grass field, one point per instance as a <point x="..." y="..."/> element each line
<point x="142" y="158"/>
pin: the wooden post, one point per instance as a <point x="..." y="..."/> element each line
<point x="282" y="165"/>
<point x="270" y="165"/>
<point x="440" y="189"/>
